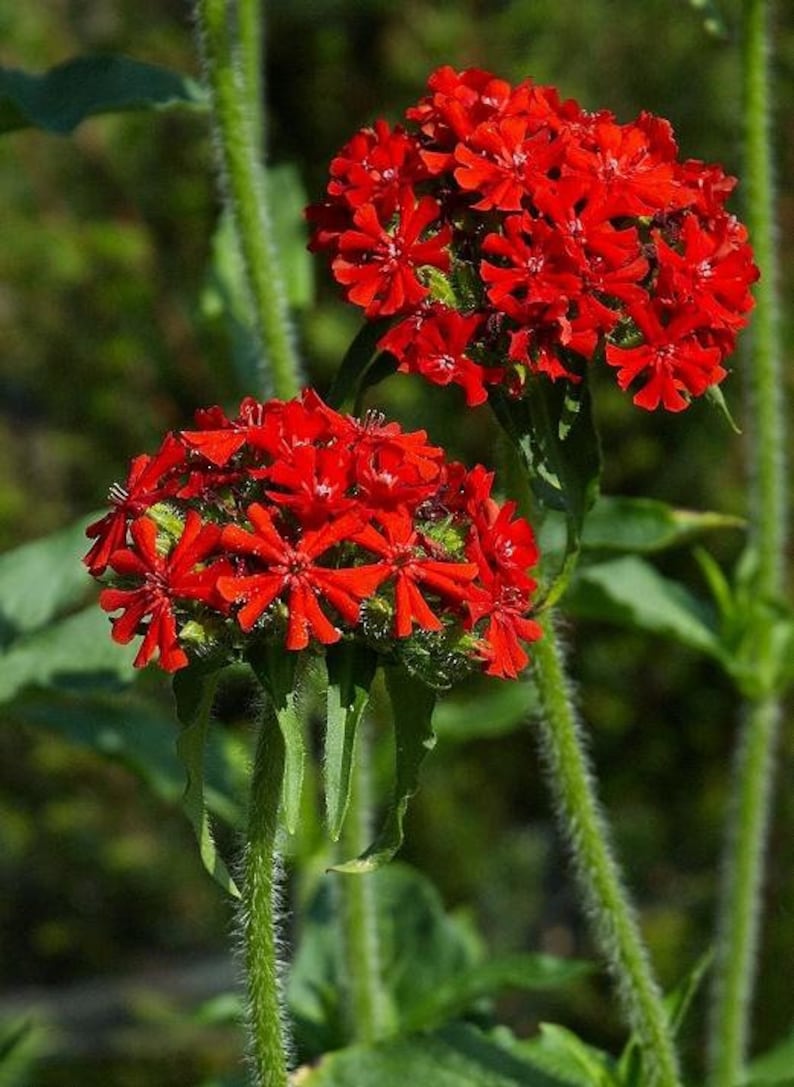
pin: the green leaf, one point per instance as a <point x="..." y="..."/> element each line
<point x="458" y="1056"/>
<point x="351" y="377"/>
<point x="194" y="689"/>
<point x="39" y="580"/>
<point x="646" y="525"/>
<point x="351" y="670"/>
<point x="71" y="653"/>
<point x="492" y="708"/>
<point x="60" y="99"/>
<point x="561" y="1053"/>
<point x="21" y="1043"/>
<point x="412" y="707"/>
<point x="136" y="733"/>
<point x="630" y="592"/>
<point x="450" y="998"/>
<point x="276" y="670"/>
<point x="552" y="427"/>
<point x="288" y="198"/>
<point x="773" y="1069"/>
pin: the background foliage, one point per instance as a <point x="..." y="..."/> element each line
<point x="113" y="281"/>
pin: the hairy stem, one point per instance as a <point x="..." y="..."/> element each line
<point x="249" y="18"/>
<point x="743" y="870"/>
<point x="611" y="914"/>
<point x="265" y="1015"/>
<point x="366" y="1003"/>
<point x="231" y="80"/>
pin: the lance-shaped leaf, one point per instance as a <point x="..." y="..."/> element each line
<point x="58" y="100"/>
<point x="194" y="690"/>
<point x="351" y="669"/>
<point x="561" y="1053"/>
<point x="412" y="704"/>
<point x="276" y="670"/>
<point x="360" y="367"/>
<point x="647" y="525"/>
<point x="552" y="427"/>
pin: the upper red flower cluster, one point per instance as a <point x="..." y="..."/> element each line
<point x="513" y="232"/>
<point x="309" y="525"/>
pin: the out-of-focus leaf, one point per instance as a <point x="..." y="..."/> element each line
<point x="629" y="591"/>
<point x="138" y="734"/>
<point x="58" y="100"/>
<point x="287" y="197"/>
<point x="647" y="525"/>
<point x="496" y="710"/>
<point x="458" y="1056"/>
<point x="774" y="1068"/>
<point x="275" y="668"/>
<point x="194" y="690"/>
<point x="351" y="670"/>
<point x="353" y="372"/>
<point x="412" y="703"/>
<point x="561" y="1053"/>
<point x="73" y="652"/>
<point x="21" y="1042"/>
<point x="41" y="579"/>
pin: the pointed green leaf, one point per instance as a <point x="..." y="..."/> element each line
<point x="412" y="708"/>
<point x="350" y="381"/>
<point x="774" y="1068"/>
<point x="646" y="525"/>
<point x="552" y="427"/>
<point x="276" y="670"/>
<point x="58" y="100"/>
<point x="630" y="592"/>
<point x="560" y="1052"/>
<point x="194" y="689"/>
<point x="351" y="669"/>
<point x="458" y="1056"/>
<point x="715" y="395"/>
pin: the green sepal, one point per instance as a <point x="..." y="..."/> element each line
<point x="412" y="708"/>
<point x="715" y="396"/>
<point x="358" y="369"/>
<point x="194" y="690"/>
<point x="351" y="670"/>
<point x="60" y="99"/>
<point x="551" y="425"/>
<point x="276" y="669"/>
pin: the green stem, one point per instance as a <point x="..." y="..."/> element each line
<point x="228" y="76"/>
<point x="740" y="902"/>
<point x="366" y="1002"/>
<point x="614" y="922"/>
<point x="265" y="1015"/>
<point x="249" y="18"/>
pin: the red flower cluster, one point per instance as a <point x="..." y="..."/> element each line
<point x="513" y="233"/>
<point x="304" y="526"/>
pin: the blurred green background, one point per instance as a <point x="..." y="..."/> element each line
<point x="111" y="331"/>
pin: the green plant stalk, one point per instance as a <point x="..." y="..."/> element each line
<point x="367" y="1009"/>
<point x="249" y="18"/>
<point x="611" y="914"/>
<point x="265" y="1010"/>
<point x="229" y="76"/>
<point x="743" y="868"/>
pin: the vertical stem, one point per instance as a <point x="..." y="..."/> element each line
<point x="265" y="1015"/>
<point x="611" y="914"/>
<point x="743" y="870"/>
<point x="366" y="1003"/>
<point x="249" y="19"/>
<point x="228" y="76"/>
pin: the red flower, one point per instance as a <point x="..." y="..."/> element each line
<point x="507" y="623"/>
<point x="374" y="167"/>
<point x="150" y="479"/>
<point x="503" y="162"/>
<point x="380" y="268"/>
<point x="292" y="570"/>
<point x="165" y="579"/>
<point x="404" y="561"/>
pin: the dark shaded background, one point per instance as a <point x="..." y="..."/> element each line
<point x="105" y="342"/>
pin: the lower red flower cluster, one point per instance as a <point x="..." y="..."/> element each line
<point x="298" y="524"/>
<point x="511" y="233"/>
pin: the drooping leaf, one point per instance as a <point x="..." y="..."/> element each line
<point x="60" y="99"/>
<point x="412" y="708"/>
<point x="630" y="592"/>
<point x="646" y="525"/>
<point x="194" y="690"/>
<point x="276" y="670"/>
<point x="552" y="428"/>
<point x="42" y="579"/>
<point x="351" y="377"/>
<point x="351" y="669"/>
<point x="458" y="1056"/>
<point x="76" y="652"/>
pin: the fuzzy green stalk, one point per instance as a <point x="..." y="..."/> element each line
<point x="743" y="868"/>
<point x="611" y="915"/>
<point x="229" y="76"/>
<point x="265" y="1010"/>
<point x="367" y="1008"/>
<point x="249" y="19"/>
